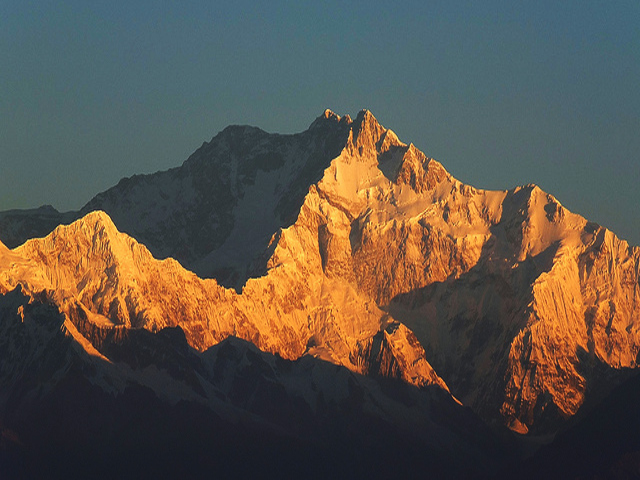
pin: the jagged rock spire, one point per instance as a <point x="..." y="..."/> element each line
<point x="330" y="117"/>
<point x="366" y="132"/>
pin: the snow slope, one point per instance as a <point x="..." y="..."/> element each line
<point x="216" y="213"/>
<point x="102" y="278"/>
<point x="130" y="403"/>
<point x="522" y="306"/>
<point x="348" y="245"/>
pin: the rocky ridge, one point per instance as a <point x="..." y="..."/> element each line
<point x="159" y="407"/>
<point x="524" y="308"/>
<point x="103" y="280"/>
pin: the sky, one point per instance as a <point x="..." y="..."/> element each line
<point x="502" y="93"/>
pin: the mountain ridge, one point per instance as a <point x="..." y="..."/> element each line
<point x="520" y="304"/>
<point x="92" y="270"/>
<point x="144" y="394"/>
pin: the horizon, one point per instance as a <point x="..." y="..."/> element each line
<point x="501" y="96"/>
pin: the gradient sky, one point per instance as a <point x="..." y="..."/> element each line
<point x="503" y="93"/>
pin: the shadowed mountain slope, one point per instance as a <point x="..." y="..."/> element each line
<point x="137" y="404"/>
<point x="348" y="245"/>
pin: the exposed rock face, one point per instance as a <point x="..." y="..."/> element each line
<point x="159" y="407"/>
<point x="216" y="213"/>
<point x="499" y="287"/>
<point x="369" y="252"/>
<point x="102" y="278"/>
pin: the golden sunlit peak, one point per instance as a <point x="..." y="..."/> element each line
<point x="366" y="120"/>
<point x="330" y="114"/>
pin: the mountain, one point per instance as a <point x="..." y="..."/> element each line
<point x="603" y="443"/>
<point x="216" y="213"/>
<point x="135" y="404"/>
<point x="345" y="245"/>
<point x="535" y="295"/>
<point x="100" y="277"/>
<point x="518" y="302"/>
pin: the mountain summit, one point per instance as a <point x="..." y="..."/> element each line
<point x="345" y="245"/>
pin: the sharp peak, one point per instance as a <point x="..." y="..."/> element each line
<point x="366" y="131"/>
<point x="365" y="120"/>
<point x="532" y="192"/>
<point x="330" y="117"/>
<point x="96" y="220"/>
<point x="98" y="229"/>
<point x="92" y="226"/>
<point x="96" y="217"/>
<point x="365" y="113"/>
<point x="530" y="189"/>
<point x="328" y="113"/>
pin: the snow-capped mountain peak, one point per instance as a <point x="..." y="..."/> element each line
<point x="351" y="246"/>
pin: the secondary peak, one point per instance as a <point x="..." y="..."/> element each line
<point x="330" y="114"/>
<point x="327" y="117"/>
<point x="367" y="131"/>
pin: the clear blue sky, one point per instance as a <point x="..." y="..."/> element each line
<point x="503" y="93"/>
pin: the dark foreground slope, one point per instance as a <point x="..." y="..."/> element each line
<point x="147" y="405"/>
<point x="604" y="443"/>
<point x="525" y="310"/>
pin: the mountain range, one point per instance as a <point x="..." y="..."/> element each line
<point x="329" y="294"/>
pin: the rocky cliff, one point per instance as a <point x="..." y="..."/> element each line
<point x="345" y="244"/>
<point x="103" y="280"/>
